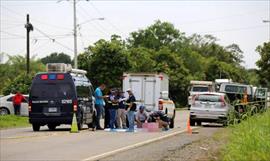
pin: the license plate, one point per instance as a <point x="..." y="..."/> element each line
<point x="52" y="109"/>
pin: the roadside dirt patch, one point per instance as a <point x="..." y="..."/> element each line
<point x="205" y="149"/>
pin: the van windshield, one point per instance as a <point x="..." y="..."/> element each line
<point x="52" y="90"/>
<point x="200" y="89"/>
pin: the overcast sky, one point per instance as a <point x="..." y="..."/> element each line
<point x="237" y="22"/>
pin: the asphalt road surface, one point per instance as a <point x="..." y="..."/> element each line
<point x="24" y="144"/>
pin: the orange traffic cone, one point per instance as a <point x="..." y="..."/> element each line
<point x="189" y="130"/>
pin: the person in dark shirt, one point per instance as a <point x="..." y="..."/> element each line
<point x="131" y="110"/>
<point x="161" y="118"/>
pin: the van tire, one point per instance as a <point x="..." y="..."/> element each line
<point x="36" y="127"/>
<point x="51" y="127"/>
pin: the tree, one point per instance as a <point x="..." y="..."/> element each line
<point x="15" y="67"/>
<point x="105" y="61"/>
<point x="156" y="36"/>
<point x="264" y="64"/>
<point x="56" y="58"/>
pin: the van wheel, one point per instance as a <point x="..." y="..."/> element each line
<point x="51" y="126"/>
<point x="80" y="122"/>
<point x="35" y="127"/>
<point x="199" y="123"/>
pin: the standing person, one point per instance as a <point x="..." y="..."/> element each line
<point x="99" y="104"/>
<point x="17" y="101"/>
<point x="141" y="116"/>
<point x="114" y="105"/>
<point x="121" y="111"/>
<point x="131" y="110"/>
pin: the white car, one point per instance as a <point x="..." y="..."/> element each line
<point x="6" y="105"/>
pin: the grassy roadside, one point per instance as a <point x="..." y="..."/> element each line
<point x="9" y="121"/>
<point x="249" y="140"/>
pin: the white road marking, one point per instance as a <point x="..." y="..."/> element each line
<point x="106" y="154"/>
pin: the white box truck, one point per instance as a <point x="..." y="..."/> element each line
<point x="152" y="91"/>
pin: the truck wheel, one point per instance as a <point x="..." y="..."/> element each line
<point x="80" y="122"/>
<point x="172" y="123"/>
<point x="199" y="123"/>
<point x="192" y="122"/>
<point x="51" y="127"/>
<point x="35" y="127"/>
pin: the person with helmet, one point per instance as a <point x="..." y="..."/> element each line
<point x="141" y="116"/>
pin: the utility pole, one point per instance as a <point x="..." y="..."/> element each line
<point x="75" y="35"/>
<point x="29" y="27"/>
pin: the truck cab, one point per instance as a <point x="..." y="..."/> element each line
<point x="197" y="87"/>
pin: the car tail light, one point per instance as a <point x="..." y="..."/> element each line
<point x="75" y="105"/>
<point x="44" y="76"/>
<point x="30" y="106"/>
<point x="223" y="104"/>
<point x="60" y="76"/>
<point x="160" y="105"/>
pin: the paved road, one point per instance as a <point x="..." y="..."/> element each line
<point x="24" y="144"/>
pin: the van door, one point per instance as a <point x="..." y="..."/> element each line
<point x="136" y="84"/>
<point x="149" y="92"/>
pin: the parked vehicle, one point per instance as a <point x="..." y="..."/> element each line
<point x="197" y="87"/>
<point x="6" y="105"/>
<point x="59" y="93"/>
<point x="209" y="107"/>
<point x="235" y="91"/>
<point x="152" y="91"/>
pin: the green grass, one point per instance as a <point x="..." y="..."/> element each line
<point x="9" y="121"/>
<point x="249" y="140"/>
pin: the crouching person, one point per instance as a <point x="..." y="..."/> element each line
<point x="141" y="116"/>
<point x="161" y="118"/>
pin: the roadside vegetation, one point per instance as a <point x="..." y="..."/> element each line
<point x="249" y="140"/>
<point x="10" y="121"/>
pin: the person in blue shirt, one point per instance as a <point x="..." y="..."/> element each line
<point x="99" y="104"/>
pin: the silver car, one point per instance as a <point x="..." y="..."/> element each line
<point x="209" y="107"/>
<point x="6" y="105"/>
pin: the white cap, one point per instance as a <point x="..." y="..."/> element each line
<point x="129" y="90"/>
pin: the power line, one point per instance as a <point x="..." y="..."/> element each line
<point x="100" y="13"/>
<point x="53" y="39"/>
<point x="41" y="22"/>
<point x="11" y="34"/>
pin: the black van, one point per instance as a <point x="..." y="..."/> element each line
<point x="55" y="96"/>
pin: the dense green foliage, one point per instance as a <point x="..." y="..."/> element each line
<point x="56" y="58"/>
<point x="9" y="121"/>
<point x="13" y="74"/>
<point x="264" y="64"/>
<point x="249" y="140"/>
<point x="163" y="48"/>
